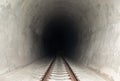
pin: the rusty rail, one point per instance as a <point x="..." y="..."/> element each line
<point x="73" y="77"/>
<point x="47" y="73"/>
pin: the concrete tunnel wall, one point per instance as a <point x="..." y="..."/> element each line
<point x="18" y="45"/>
<point x="22" y="21"/>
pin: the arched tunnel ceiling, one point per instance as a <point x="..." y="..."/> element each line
<point x="58" y="7"/>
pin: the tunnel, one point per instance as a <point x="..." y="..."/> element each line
<point x="59" y="37"/>
<point x="85" y="32"/>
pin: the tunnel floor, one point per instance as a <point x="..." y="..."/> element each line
<point x="36" y="70"/>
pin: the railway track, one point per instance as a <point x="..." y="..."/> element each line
<point x="59" y="70"/>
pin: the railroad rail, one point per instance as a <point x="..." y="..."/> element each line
<point x="59" y="70"/>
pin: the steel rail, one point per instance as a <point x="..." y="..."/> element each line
<point x="70" y="71"/>
<point x="47" y="73"/>
<point x="72" y="75"/>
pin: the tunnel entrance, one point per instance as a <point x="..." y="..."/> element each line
<point x="60" y="36"/>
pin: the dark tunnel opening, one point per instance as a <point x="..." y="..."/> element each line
<point x="60" y="37"/>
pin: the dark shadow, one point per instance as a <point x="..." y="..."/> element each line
<point x="60" y="37"/>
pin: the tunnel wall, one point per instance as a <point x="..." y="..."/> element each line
<point x="100" y="44"/>
<point x="18" y="45"/>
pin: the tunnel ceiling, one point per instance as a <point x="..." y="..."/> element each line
<point x="60" y="7"/>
